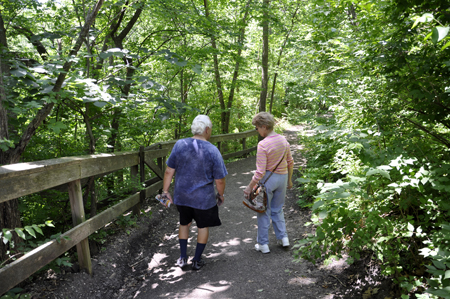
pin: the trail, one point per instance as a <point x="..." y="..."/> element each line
<point x="141" y="263"/>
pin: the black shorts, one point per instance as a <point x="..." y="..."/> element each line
<point x="203" y="218"/>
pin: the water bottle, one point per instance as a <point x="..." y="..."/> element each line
<point x="163" y="199"/>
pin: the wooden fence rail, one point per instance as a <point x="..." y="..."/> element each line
<point x="22" y="179"/>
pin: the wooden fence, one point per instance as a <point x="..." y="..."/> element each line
<point x="22" y="179"/>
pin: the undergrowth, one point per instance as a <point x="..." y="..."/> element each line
<point x="370" y="192"/>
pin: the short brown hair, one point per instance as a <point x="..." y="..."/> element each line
<point x="264" y="119"/>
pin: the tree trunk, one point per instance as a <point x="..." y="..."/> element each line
<point x="217" y="76"/>
<point x="265" y="57"/>
<point x="236" y="68"/>
<point x="279" y="59"/>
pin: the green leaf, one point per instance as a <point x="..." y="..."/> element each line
<point x="38" y="229"/>
<point x="447" y="274"/>
<point x="302" y="180"/>
<point x="378" y="171"/>
<point x="427" y="17"/>
<point x="7" y="237"/>
<point x="56" y="126"/>
<point x="410" y="227"/>
<point x="428" y="36"/>
<point x="439" y="264"/>
<point x="439" y="33"/>
<point x="30" y="230"/>
<point x="49" y="223"/>
<point x="100" y="104"/>
<point x="445" y="46"/>
<point x="317" y="204"/>
<point x="197" y="69"/>
<point x="19" y="72"/>
<point x="20" y="232"/>
<point x="113" y="52"/>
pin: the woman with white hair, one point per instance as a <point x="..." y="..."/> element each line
<point x="198" y="164"/>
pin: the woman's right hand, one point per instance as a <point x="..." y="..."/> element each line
<point x="247" y="191"/>
<point x="290" y="185"/>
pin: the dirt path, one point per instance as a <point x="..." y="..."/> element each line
<point x="141" y="263"/>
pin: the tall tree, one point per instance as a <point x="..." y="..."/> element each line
<point x="265" y="57"/>
<point x="280" y="54"/>
<point x="9" y="213"/>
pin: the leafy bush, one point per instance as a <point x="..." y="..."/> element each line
<point x="368" y="198"/>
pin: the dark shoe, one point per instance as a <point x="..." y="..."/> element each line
<point x="196" y="265"/>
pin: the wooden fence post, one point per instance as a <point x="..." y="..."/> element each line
<point x="78" y="216"/>
<point x="135" y="179"/>
<point x="161" y="164"/>
<point x="142" y="175"/>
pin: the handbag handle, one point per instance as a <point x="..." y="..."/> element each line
<point x="276" y="166"/>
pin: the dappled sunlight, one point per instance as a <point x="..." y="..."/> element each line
<point x="21" y="166"/>
<point x="156" y="261"/>
<point x="203" y="291"/>
<point x="173" y="275"/>
<point x="302" y="281"/>
<point x="159" y="264"/>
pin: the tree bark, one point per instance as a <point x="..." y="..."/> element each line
<point x="265" y="57"/>
<point x="39" y="46"/>
<point x="236" y="68"/>
<point x="217" y="75"/>
<point x="279" y="59"/>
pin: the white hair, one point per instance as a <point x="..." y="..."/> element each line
<point x="200" y="123"/>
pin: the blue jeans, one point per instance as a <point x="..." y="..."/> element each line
<point x="276" y="193"/>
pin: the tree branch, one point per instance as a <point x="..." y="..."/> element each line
<point x="46" y="110"/>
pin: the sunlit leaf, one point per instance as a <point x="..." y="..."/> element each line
<point x="439" y="33"/>
<point x="37" y="229"/>
<point x="20" y="232"/>
<point x="49" y="223"/>
<point x="8" y="236"/>
<point x="19" y="72"/>
<point x="30" y="230"/>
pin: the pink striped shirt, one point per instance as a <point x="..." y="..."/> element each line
<point x="270" y="150"/>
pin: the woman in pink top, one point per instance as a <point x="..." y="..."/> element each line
<point x="271" y="150"/>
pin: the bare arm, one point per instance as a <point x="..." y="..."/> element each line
<point x="290" y="172"/>
<point x="220" y="186"/>
<point x="168" y="176"/>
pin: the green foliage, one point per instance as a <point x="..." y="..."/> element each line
<point x="15" y="293"/>
<point x="437" y="251"/>
<point x="126" y="220"/>
<point x="371" y="199"/>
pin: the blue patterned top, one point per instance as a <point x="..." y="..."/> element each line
<point x="197" y="164"/>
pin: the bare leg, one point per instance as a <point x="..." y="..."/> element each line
<point x="203" y="235"/>
<point x="183" y="232"/>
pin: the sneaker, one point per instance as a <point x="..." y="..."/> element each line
<point x="181" y="262"/>
<point x="196" y="265"/>
<point x="263" y="248"/>
<point x="284" y="242"/>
